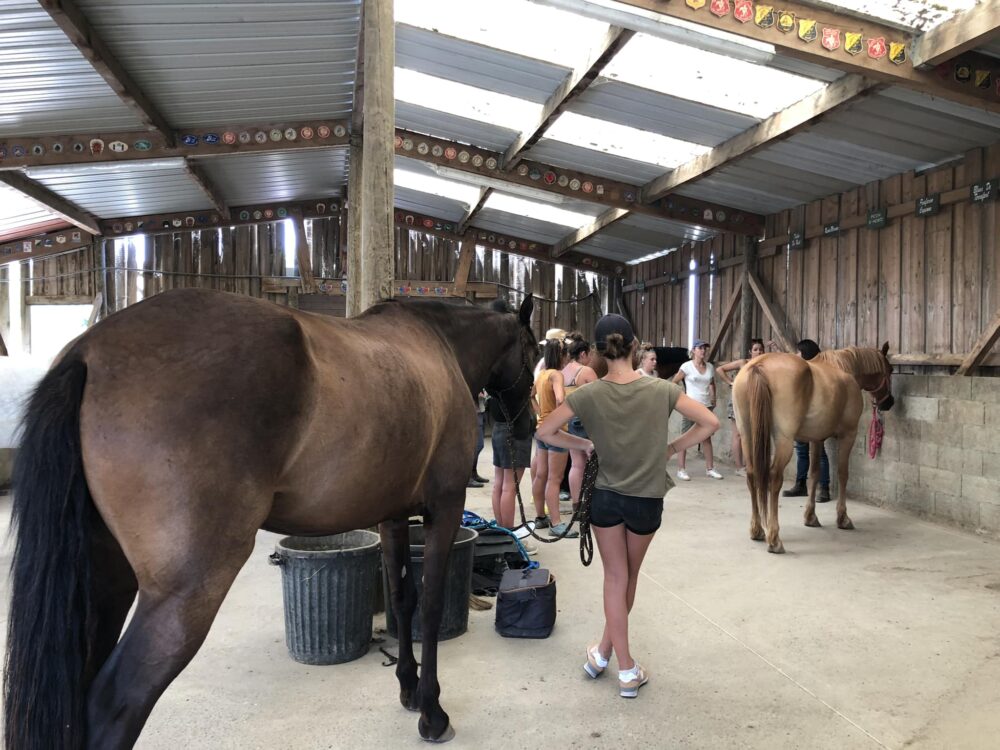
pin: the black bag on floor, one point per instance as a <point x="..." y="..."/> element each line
<point x="526" y="604"/>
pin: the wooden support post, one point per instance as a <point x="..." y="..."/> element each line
<point x="467" y="253"/>
<point x="354" y="204"/>
<point x="4" y="305"/>
<point x="727" y="320"/>
<point x="3" y="347"/>
<point x="378" y="252"/>
<point x="302" y="254"/>
<point x="774" y="316"/>
<point x="95" y="309"/>
<point x="746" y="295"/>
<point x="983" y="344"/>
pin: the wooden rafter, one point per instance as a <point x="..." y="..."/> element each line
<point x="780" y="125"/>
<point x="40" y="245"/>
<point x="470" y="214"/>
<point x="983" y="344"/>
<point x="196" y="173"/>
<point x="880" y="68"/>
<point x="575" y="83"/>
<point x="573" y="239"/>
<point x="569" y="183"/>
<point x="75" y="25"/>
<point x="506" y="243"/>
<point x="774" y="315"/>
<point x="50" y="201"/>
<point x="962" y="32"/>
<point x="93" y="148"/>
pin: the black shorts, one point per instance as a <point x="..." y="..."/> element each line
<point x="641" y="515"/>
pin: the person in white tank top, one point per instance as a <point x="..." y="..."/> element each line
<point x="699" y="382"/>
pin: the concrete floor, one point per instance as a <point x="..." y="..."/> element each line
<point x="888" y="636"/>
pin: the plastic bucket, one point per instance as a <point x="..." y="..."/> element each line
<point x="457" y="587"/>
<point x="328" y="587"/>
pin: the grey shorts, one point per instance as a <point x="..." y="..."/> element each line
<point x="687" y="424"/>
<point x="641" y="515"/>
<point x="510" y="454"/>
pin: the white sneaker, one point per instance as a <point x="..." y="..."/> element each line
<point x="683" y="475"/>
<point x="713" y="474"/>
<point x="741" y="472"/>
<point x="530" y="548"/>
<point x="524" y="530"/>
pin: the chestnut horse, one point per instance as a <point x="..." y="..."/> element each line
<point x="785" y="398"/>
<point x="164" y="438"/>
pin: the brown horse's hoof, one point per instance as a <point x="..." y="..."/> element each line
<point x="846" y="524"/>
<point x="813" y="522"/>
<point x="757" y="536"/>
<point x="777" y="549"/>
<point x="446" y="736"/>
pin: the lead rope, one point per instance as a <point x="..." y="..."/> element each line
<point x="875" y="432"/>
<point x="581" y="514"/>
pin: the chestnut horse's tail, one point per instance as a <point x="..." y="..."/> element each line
<point x="47" y="632"/>
<point x="759" y="398"/>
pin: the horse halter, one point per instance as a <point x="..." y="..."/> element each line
<point x="887" y="394"/>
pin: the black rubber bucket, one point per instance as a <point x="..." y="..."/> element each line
<point x="457" y="587"/>
<point x="328" y="586"/>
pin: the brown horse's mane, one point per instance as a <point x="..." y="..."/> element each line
<point x="856" y="360"/>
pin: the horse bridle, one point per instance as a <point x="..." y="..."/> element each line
<point x="884" y="383"/>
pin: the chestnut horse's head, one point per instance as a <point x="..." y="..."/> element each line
<point x="512" y="375"/>
<point x="880" y="385"/>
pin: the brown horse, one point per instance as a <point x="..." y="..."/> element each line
<point x="165" y="437"/>
<point x="785" y="398"/>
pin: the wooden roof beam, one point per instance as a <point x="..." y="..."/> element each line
<point x="569" y="183"/>
<point x="576" y="82"/>
<point x="470" y="214"/>
<point x="573" y="239"/>
<point x="51" y="201"/>
<point x="778" y="126"/>
<point x="77" y="28"/>
<point x="197" y="173"/>
<point x="961" y="33"/>
<point x="881" y="67"/>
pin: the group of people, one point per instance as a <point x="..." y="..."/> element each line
<point x="623" y="416"/>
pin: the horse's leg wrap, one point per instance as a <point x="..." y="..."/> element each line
<point x="403" y="596"/>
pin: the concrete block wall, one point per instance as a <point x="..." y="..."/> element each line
<point x="940" y="455"/>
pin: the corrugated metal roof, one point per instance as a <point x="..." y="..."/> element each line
<point x="444" y="125"/>
<point x="125" y="189"/>
<point x="19" y="213"/>
<point x="591" y="161"/>
<point x="279" y="176"/>
<point x="48" y="87"/>
<point x="520" y="226"/>
<point x="662" y="233"/>
<point x="659" y="113"/>
<point x="235" y="61"/>
<point x="614" y="248"/>
<point x="475" y="64"/>
<point x="431" y="205"/>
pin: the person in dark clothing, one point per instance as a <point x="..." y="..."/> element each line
<point x="807" y="349"/>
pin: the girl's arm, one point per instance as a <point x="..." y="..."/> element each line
<point x="705" y="424"/>
<point x="550" y="433"/>
<point x="557" y="386"/>
<point x="723" y="369"/>
<point x="678" y="377"/>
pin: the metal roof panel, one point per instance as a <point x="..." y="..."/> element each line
<point x="279" y="176"/>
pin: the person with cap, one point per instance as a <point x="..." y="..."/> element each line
<point x="699" y="382"/>
<point x="626" y="417"/>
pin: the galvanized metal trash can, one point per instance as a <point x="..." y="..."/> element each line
<point x="328" y="586"/>
<point x="457" y="586"/>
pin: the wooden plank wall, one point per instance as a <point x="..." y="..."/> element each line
<point x="925" y="285"/>
<point x="239" y="259"/>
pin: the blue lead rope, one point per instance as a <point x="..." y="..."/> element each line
<point x="476" y="522"/>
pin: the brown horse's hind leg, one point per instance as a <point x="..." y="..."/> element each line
<point x="175" y="611"/>
<point x="755" y="488"/>
<point x="441" y="527"/>
<point x="844" y="446"/>
<point x="782" y="453"/>
<point x="403" y="596"/>
<point x="814" y="453"/>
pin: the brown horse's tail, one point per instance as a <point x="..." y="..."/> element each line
<point x="47" y="631"/>
<point x="759" y="398"/>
